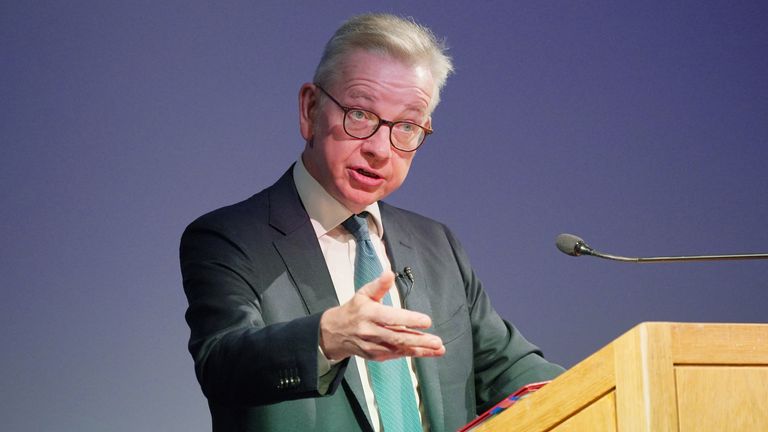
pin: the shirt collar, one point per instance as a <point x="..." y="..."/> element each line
<point x="324" y="211"/>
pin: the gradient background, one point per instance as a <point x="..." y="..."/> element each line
<point x="641" y="126"/>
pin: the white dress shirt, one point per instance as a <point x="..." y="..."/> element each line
<point x="339" y="248"/>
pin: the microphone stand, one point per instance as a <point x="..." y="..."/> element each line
<point x="575" y="246"/>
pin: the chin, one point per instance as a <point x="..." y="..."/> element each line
<point x="357" y="201"/>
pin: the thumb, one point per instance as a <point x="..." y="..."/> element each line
<point x="377" y="288"/>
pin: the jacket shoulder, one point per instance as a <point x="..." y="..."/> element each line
<point x="235" y="217"/>
<point x="253" y="212"/>
<point x="417" y="224"/>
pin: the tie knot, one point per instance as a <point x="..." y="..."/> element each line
<point x="357" y="225"/>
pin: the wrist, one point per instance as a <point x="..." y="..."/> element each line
<point x="326" y="342"/>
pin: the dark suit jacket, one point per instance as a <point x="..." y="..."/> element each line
<point x="257" y="284"/>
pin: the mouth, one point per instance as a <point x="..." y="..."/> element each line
<point x="367" y="173"/>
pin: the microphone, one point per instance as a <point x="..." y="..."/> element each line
<point x="575" y="246"/>
<point x="407" y="273"/>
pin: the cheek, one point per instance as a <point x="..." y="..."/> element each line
<point x="337" y="157"/>
<point x="400" y="167"/>
<point x="336" y="153"/>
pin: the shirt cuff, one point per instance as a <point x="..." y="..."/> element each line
<point x="324" y="364"/>
<point x="324" y="368"/>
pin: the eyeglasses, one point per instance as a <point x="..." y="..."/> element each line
<point x="361" y="124"/>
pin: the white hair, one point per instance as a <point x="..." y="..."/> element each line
<point x="400" y="38"/>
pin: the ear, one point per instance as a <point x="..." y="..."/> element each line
<point x="307" y="110"/>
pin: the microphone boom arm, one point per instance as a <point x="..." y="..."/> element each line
<point x="641" y="260"/>
<point x="575" y="246"/>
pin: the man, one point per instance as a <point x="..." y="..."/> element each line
<point x="294" y="325"/>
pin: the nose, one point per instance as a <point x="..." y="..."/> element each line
<point x="377" y="145"/>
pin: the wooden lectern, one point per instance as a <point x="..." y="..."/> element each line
<point x="658" y="377"/>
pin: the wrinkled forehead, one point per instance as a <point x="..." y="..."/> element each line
<point x="383" y="69"/>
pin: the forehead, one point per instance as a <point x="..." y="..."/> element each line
<point x="377" y="75"/>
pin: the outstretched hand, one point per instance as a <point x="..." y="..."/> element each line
<point x="366" y="328"/>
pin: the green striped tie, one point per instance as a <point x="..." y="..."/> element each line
<point x="391" y="380"/>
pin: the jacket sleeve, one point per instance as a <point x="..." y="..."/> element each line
<point x="503" y="359"/>
<point x="240" y="358"/>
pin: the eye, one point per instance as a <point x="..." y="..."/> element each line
<point x="406" y="128"/>
<point x="358" y="115"/>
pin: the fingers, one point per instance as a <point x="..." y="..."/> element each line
<point x="402" y="319"/>
<point x="402" y="329"/>
<point x="365" y="327"/>
<point x="382" y="343"/>
<point x="345" y="332"/>
<point x="382" y="353"/>
<point x="397" y="339"/>
<point x="377" y="288"/>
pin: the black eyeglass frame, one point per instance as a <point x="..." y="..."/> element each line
<point x="389" y="123"/>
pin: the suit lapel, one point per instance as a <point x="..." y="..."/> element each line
<point x="299" y="247"/>
<point x="402" y="253"/>
<point x="304" y="260"/>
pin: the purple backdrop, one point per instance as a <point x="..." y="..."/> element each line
<point x="641" y="126"/>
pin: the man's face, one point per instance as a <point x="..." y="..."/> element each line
<point x="360" y="172"/>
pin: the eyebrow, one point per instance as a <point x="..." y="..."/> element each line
<point x="413" y="108"/>
<point x="358" y="94"/>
